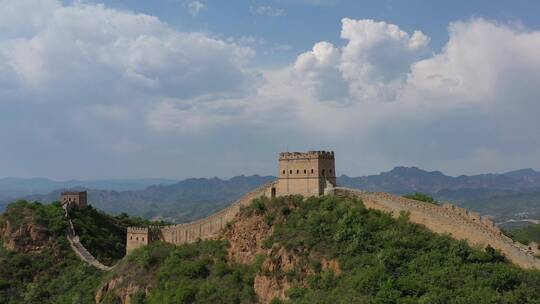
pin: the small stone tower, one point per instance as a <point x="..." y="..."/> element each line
<point x="74" y="199"/>
<point x="137" y="237"/>
<point x="307" y="174"/>
<point x="141" y="236"/>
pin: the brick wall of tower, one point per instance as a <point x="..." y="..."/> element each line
<point x="305" y="173"/>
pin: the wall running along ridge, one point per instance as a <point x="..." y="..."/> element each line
<point x="204" y="228"/>
<point x="458" y="222"/>
<point x="78" y="247"/>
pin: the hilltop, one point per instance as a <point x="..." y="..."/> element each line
<point x="291" y="250"/>
<point x="38" y="265"/>
<point x="319" y="250"/>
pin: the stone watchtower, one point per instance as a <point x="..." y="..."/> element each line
<point x="307" y="174"/>
<point x="141" y="236"/>
<point x="74" y="199"/>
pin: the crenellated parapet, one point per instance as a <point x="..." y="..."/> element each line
<point x="472" y="216"/>
<point x="306" y="155"/>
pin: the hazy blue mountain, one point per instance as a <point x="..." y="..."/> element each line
<point x="402" y="180"/>
<point x="182" y="201"/>
<point x="17" y="187"/>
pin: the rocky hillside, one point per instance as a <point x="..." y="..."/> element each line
<point x="37" y="262"/>
<point x="38" y="265"/>
<point x="321" y="250"/>
<point x="285" y="250"/>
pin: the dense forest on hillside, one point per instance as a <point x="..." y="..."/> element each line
<point x="104" y="235"/>
<point x="381" y="260"/>
<point x="50" y="274"/>
<point x="40" y="266"/>
<point x="384" y="260"/>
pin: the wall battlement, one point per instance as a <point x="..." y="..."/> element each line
<point x="306" y="155"/>
<point x="137" y="229"/>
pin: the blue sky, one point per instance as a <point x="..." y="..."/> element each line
<point x="299" y="24"/>
<point x="191" y="88"/>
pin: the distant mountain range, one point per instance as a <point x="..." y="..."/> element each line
<point x="182" y="201"/>
<point x="17" y="187"/>
<point x="403" y="180"/>
<point x="194" y="198"/>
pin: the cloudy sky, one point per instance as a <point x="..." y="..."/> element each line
<point x="177" y="89"/>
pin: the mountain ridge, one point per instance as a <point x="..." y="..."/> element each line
<point x="193" y="198"/>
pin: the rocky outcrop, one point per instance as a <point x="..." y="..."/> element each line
<point x="271" y="282"/>
<point x="123" y="292"/>
<point x="25" y="237"/>
<point x="246" y="236"/>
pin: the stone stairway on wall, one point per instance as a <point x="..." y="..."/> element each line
<point x="78" y="247"/>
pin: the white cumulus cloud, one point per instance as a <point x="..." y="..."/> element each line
<point x="195" y="7"/>
<point x="99" y="90"/>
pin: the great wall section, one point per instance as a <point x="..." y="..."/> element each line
<point x="78" y="247"/>
<point x="204" y="228"/>
<point x="457" y="222"/>
<point x="446" y="219"/>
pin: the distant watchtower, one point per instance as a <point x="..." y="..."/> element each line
<point x="74" y="199"/>
<point x="307" y="174"/>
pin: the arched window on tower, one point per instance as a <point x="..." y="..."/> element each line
<point x="322" y="172"/>
<point x="297" y="171"/>
<point x="311" y="171"/>
<point x="290" y="171"/>
<point x="283" y="171"/>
